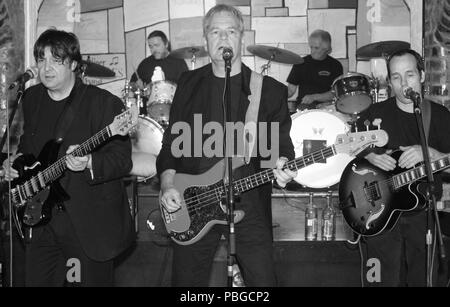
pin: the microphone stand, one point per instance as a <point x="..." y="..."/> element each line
<point x="430" y="195"/>
<point x="231" y="258"/>
<point x="5" y="139"/>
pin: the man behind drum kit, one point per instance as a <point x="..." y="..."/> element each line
<point x="314" y="76"/>
<point x="160" y="49"/>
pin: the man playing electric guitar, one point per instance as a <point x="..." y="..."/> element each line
<point x="91" y="224"/>
<point x="402" y="250"/>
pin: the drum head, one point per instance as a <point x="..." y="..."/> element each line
<point x="353" y="104"/>
<point x="146" y="144"/>
<point x="311" y="131"/>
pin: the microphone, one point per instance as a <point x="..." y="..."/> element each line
<point x="227" y="53"/>
<point x="30" y="73"/>
<point x="409" y="93"/>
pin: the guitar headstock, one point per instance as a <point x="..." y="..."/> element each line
<point x="125" y="121"/>
<point x="355" y="142"/>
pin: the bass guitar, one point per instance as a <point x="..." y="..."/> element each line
<point x="202" y="207"/>
<point x="372" y="200"/>
<point x="37" y="190"/>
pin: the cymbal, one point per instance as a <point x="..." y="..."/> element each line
<point x="275" y="54"/>
<point x="92" y="69"/>
<point x="381" y="49"/>
<point x="189" y="52"/>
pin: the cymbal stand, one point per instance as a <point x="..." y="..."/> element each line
<point x="265" y="67"/>
<point x="193" y="60"/>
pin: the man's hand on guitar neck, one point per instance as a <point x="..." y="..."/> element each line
<point x="77" y="164"/>
<point x="170" y="197"/>
<point x="283" y="176"/>
<point x="412" y="155"/>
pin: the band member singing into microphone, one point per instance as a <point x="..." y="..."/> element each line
<point x="92" y="225"/>
<point x="402" y="251"/>
<point x="200" y="94"/>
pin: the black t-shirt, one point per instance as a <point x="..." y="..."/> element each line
<point x="46" y="129"/>
<point x="314" y="76"/>
<point x="402" y="127"/>
<point x="171" y="66"/>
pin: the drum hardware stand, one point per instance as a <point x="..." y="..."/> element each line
<point x="430" y="196"/>
<point x="193" y="60"/>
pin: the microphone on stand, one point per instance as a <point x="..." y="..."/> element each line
<point x="29" y="74"/>
<point x="227" y="53"/>
<point x="409" y="93"/>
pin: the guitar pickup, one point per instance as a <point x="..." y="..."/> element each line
<point x="372" y="191"/>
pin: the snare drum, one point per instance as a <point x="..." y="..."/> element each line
<point x="160" y="100"/>
<point x="146" y="143"/>
<point x="353" y="93"/>
<point x="313" y="130"/>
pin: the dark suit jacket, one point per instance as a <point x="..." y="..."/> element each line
<point x="98" y="207"/>
<point x="273" y="108"/>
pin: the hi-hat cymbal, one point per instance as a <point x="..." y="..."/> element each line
<point x="381" y="49"/>
<point x="275" y="54"/>
<point x="189" y="52"/>
<point x="92" y="69"/>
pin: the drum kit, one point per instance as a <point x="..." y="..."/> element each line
<point x="155" y="99"/>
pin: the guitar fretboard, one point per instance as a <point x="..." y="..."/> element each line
<point x="266" y="176"/>
<point x="54" y="171"/>
<point x="417" y="173"/>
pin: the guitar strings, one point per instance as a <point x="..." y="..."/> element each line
<point x="210" y="197"/>
<point x="51" y="173"/>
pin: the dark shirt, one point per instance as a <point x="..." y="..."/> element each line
<point x="171" y="66"/>
<point x="313" y="76"/>
<point x="97" y="205"/>
<point x="199" y="92"/>
<point x="47" y="128"/>
<point x="402" y="127"/>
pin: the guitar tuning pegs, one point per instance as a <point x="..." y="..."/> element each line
<point x="377" y="122"/>
<point x="367" y="124"/>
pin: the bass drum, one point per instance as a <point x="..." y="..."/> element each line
<point x="313" y="130"/>
<point x="146" y="143"/>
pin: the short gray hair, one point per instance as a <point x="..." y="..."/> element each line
<point x="220" y="8"/>
<point x="323" y="35"/>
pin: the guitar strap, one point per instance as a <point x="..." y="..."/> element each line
<point x="70" y="109"/>
<point x="426" y="112"/>
<point x="251" y="117"/>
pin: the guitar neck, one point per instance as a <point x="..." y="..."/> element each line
<point x="266" y="176"/>
<point x="417" y="173"/>
<point x="55" y="170"/>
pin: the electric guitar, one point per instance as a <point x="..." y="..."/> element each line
<point x="201" y="205"/>
<point x="36" y="190"/>
<point x="372" y="200"/>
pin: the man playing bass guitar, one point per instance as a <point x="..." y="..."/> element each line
<point x="91" y="224"/>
